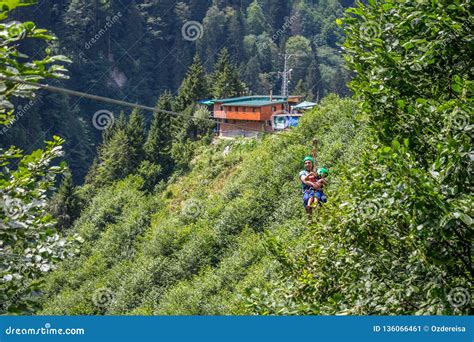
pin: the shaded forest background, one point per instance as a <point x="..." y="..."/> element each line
<point x="135" y="51"/>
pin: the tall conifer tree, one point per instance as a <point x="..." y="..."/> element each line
<point x="158" y="143"/>
<point x="225" y="78"/>
<point x="193" y="88"/>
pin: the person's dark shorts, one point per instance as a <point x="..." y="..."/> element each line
<point x="306" y="196"/>
<point x="320" y="195"/>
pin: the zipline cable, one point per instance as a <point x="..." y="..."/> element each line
<point x="118" y="102"/>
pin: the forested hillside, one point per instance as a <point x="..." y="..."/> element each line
<point x="198" y="246"/>
<point x="172" y="221"/>
<point x="138" y="50"/>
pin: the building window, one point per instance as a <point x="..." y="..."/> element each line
<point x="274" y="108"/>
<point x="255" y="110"/>
<point x="222" y="107"/>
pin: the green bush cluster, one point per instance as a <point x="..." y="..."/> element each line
<point x="198" y="245"/>
<point x="397" y="237"/>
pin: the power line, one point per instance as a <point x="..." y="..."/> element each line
<point x="119" y="102"/>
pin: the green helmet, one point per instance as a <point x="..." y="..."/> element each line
<point x="323" y="170"/>
<point x="308" y="158"/>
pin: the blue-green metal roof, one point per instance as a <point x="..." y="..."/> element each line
<point x="251" y="101"/>
<point x="249" y="98"/>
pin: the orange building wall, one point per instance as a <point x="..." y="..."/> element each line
<point x="246" y="113"/>
<point x="240" y="115"/>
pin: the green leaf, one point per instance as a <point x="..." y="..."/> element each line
<point x="8" y="5"/>
<point x="457" y="88"/>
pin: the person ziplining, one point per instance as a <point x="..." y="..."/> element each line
<point x="312" y="183"/>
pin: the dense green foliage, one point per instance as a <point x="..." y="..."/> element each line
<point x="225" y="78"/>
<point x="29" y="244"/>
<point x="400" y="238"/>
<point x="160" y="136"/>
<point x="175" y="223"/>
<point x="136" y="50"/>
<point x="194" y="245"/>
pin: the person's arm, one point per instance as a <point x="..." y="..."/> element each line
<point x="309" y="175"/>
<point x="308" y="183"/>
<point x="313" y="184"/>
<point x="322" y="181"/>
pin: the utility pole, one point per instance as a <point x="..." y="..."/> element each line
<point x="286" y="76"/>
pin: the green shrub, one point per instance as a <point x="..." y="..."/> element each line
<point x="395" y="237"/>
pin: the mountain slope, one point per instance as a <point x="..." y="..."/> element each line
<point x="198" y="244"/>
<point x="230" y="236"/>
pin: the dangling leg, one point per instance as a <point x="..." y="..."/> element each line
<point x="322" y="197"/>
<point x="307" y="207"/>
<point x="309" y="198"/>
<point x="309" y="212"/>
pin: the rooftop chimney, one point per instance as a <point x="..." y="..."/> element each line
<point x="271" y="95"/>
